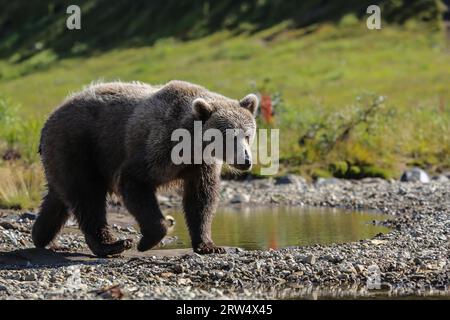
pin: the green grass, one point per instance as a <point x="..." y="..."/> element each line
<point x="320" y="72"/>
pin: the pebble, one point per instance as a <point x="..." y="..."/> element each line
<point x="311" y="259"/>
<point x="28" y="215"/>
<point x="415" y="175"/>
<point x="240" y="198"/>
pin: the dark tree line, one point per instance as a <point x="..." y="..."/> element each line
<point x="107" y="24"/>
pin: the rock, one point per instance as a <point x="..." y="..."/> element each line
<point x="240" y="198"/>
<point x="333" y="259"/>
<point x="10" y="225"/>
<point x="440" y="178"/>
<point x="383" y="287"/>
<point x="288" y="179"/>
<point x="285" y="273"/>
<point x="217" y="274"/>
<point x="131" y="230"/>
<point x="3" y="288"/>
<point x="28" y="215"/>
<point x="30" y="277"/>
<point x="321" y="182"/>
<point x="178" y="268"/>
<point x="184" y="281"/>
<point x="167" y="240"/>
<point x="360" y="268"/>
<point x="347" y="268"/>
<point x="167" y="275"/>
<point x="113" y="292"/>
<point x="378" y="242"/>
<point x="311" y="259"/>
<point x="265" y="185"/>
<point x="415" y="175"/>
<point x="370" y="180"/>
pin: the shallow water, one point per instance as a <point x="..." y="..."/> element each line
<point x="279" y="227"/>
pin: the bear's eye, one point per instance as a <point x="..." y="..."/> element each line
<point x="247" y="139"/>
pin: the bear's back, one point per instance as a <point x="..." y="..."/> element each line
<point x="113" y="93"/>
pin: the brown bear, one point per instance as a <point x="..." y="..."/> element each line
<point x="116" y="137"/>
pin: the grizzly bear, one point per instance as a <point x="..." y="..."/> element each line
<point x="116" y="137"/>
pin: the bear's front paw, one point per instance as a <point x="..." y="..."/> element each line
<point x="108" y="249"/>
<point x="208" y="248"/>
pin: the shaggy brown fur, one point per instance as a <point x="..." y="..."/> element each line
<point x="118" y="136"/>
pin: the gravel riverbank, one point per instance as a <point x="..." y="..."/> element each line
<point x="413" y="259"/>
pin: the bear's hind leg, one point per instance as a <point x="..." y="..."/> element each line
<point x="52" y="216"/>
<point x="89" y="209"/>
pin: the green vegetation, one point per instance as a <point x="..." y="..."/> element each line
<point x="350" y="102"/>
<point x="21" y="175"/>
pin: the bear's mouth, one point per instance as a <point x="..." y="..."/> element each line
<point x="242" y="167"/>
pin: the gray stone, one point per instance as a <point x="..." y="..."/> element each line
<point x="311" y="259"/>
<point x="440" y="178"/>
<point x="28" y="215"/>
<point x="359" y="268"/>
<point x="240" y="198"/>
<point x="333" y="258"/>
<point x="30" y="277"/>
<point x="288" y="179"/>
<point x="415" y="175"/>
<point x="320" y="182"/>
<point x="184" y="281"/>
<point x="347" y="267"/>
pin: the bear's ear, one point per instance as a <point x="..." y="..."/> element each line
<point x="250" y="102"/>
<point x="202" y="109"/>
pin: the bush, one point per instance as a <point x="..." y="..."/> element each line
<point x="354" y="172"/>
<point x="320" y="173"/>
<point x="339" y="169"/>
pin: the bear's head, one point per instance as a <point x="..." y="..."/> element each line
<point x="235" y="122"/>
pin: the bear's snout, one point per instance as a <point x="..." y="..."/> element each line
<point x="247" y="163"/>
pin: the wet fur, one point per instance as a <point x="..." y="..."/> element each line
<point x="115" y="137"/>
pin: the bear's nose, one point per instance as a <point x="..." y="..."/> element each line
<point x="247" y="160"/>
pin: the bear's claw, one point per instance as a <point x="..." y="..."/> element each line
<point x="208" y="248"/>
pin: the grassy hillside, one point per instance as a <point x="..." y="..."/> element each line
<point x="27" y="27"/>
<point x="348" y="101"/>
